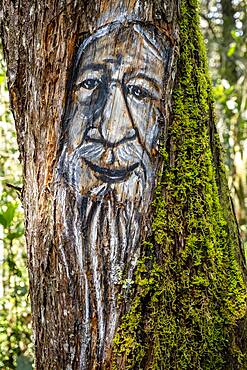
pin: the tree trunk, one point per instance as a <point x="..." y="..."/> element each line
<point x="133" y="248"/>
<point x="228" y="63"/>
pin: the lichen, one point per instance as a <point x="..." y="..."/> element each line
<point x="189" y="290"/>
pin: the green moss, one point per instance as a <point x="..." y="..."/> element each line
<point x="189" y="290"/>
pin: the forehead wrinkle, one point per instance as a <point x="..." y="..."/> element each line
<point x="112" y="46"/>
<point x="111" y="60"/>
<point x="90" y="53"/>
<point x="141" y="51"/>
<point x="104" y="45"/>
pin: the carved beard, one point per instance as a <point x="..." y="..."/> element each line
<point x="105" y="226"/>
<point x="111" y="235"/>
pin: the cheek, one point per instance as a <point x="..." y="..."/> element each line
<point x="82" y="95"/>
<point x="77" y="127"/>
<point x="90" y="103"/>
<point x="85" y="110"/>
<point x="146" y="119"/>
<point x="86" y="101"/>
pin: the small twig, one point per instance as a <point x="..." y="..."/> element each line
<point x="16" y="188"/>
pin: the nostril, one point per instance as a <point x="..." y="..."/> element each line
<point x="93" y="134"/>
<point x="130" y="134"/>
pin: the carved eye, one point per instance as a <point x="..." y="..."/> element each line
<point x="138" y="92"/>
<point x="90" y="83"/>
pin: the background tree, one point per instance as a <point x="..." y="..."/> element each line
<point x="187" y="300"/>
<point x="15" y="318"/>
<point x="224" y="26"/>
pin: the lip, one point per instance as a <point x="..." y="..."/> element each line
<point x="108" y="175"/>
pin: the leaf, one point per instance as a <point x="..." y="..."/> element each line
<point x="7" y="216"/>
<point x="15" y="235"/>
<point x="2" y="220"/>
<point x="232" y="49"/>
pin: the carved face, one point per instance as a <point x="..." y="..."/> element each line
<point x="109" y="161"/>
<point x="115" y="115"/>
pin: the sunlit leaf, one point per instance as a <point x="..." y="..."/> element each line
<point x="232" y="49"/>
<point x="7" y="216"/>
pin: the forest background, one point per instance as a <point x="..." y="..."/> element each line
<point x="224" y="25"/>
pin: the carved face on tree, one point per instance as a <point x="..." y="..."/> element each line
<point x="114" y="115"/>
<point x="113" y="118"/>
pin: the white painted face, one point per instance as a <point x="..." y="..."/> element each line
<point x="115" y="116"/>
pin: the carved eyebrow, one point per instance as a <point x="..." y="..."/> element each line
<point x="111" y="60"/>
<point x="93" y="67"/>
<point x="116" y="60"/>
<point x="154" y="81"/>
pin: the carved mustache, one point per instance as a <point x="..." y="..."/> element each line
<point x="129" y="158"/>
<point x="90" y="151"/>
<point x="126" y="153"/>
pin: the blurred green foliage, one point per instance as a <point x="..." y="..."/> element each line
<point x="224" y="24"/>
<point x="15" y="315"/>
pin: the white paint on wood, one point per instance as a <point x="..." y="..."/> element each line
<point x="108" y="166"/>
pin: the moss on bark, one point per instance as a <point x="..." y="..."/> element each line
<point x="189" y="293"/>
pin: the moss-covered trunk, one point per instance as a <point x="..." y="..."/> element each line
<point x="183" y="304"/>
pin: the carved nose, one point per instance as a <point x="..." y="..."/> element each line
<point x="116" y="124"/>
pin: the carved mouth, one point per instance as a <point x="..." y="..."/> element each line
<point x="108" y="175"/>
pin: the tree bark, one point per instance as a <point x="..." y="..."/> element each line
<point x="123" y="279"/>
